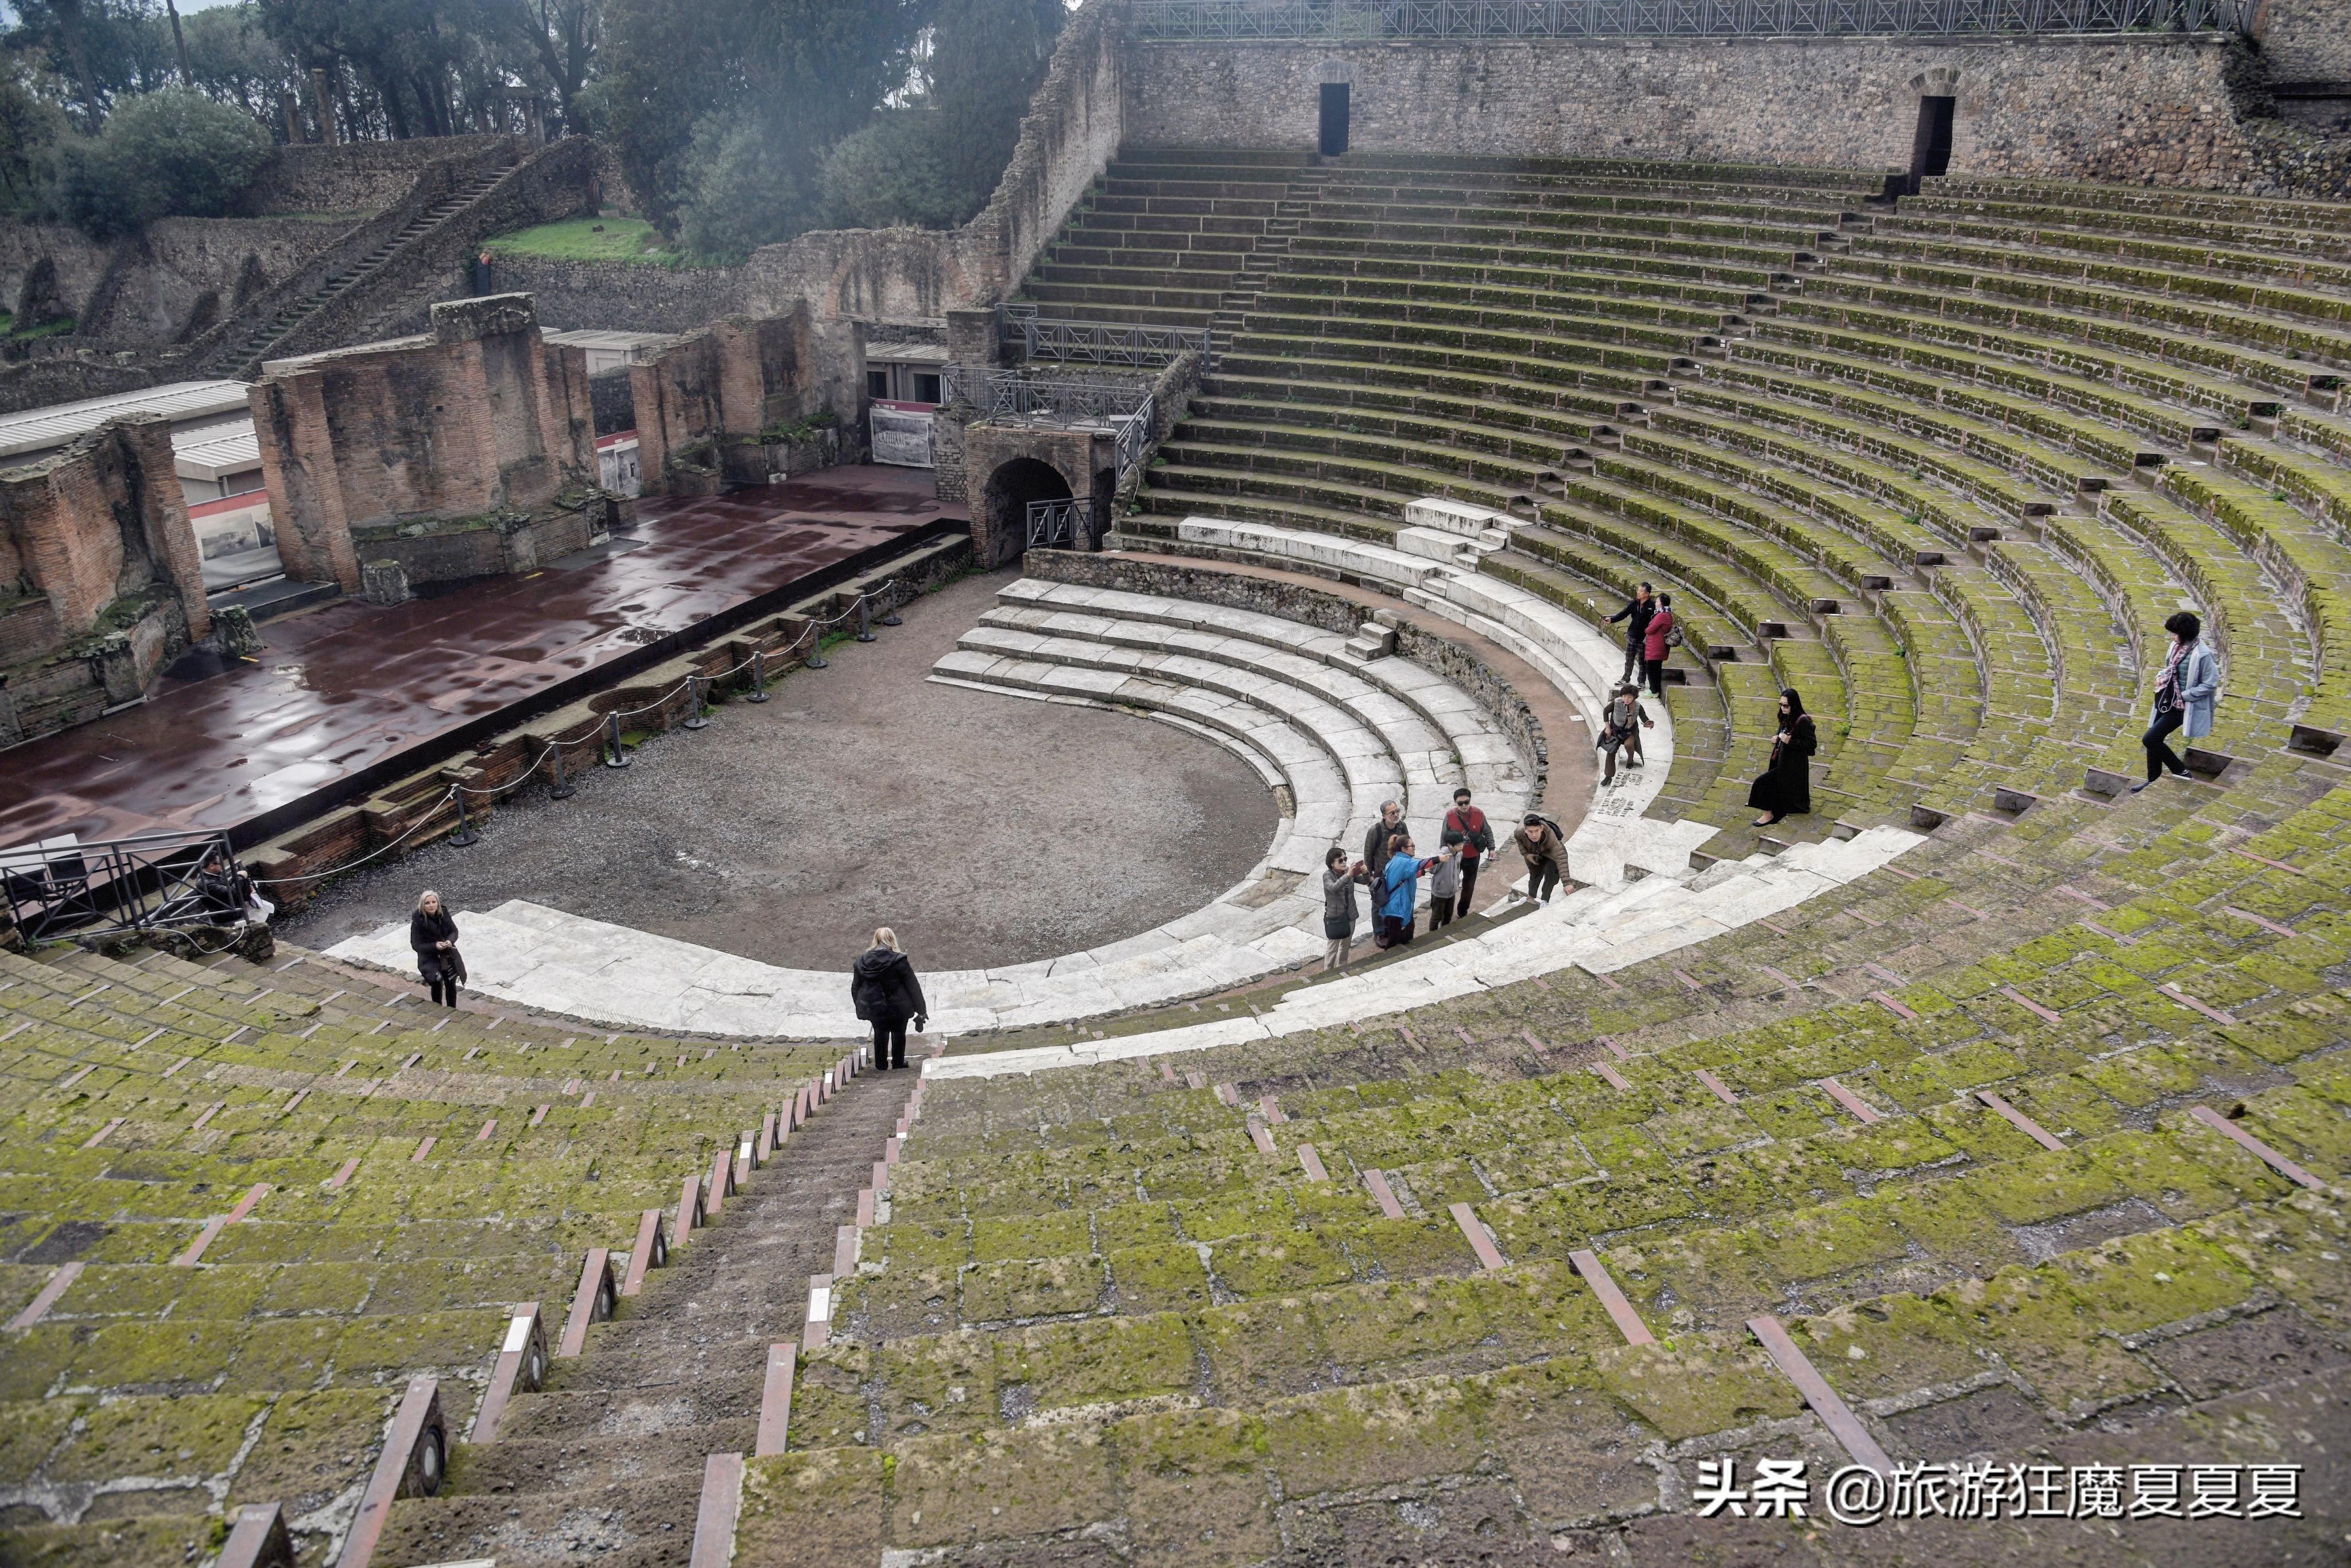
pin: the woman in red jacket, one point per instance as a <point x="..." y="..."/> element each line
<point x="1663" y="628"/>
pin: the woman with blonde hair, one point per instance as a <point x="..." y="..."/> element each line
<point x="883" y="985"/>
<point x="433" y="936"/>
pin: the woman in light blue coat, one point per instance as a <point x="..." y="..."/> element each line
<point x="1399" y="886"/>
<point x="2185" y="695"/>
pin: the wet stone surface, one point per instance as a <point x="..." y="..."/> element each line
<point x="985" y="830"/>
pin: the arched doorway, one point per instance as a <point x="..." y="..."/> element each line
<point x="1007" y="495"/>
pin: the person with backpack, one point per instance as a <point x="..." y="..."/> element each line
<point x="882" y="987"/>
<point x="1376" y="838"/>
<point x="2185" y="693"/>
<point x="1635" y="616"/>
<point x="1340" y="881"/>
<point x="1621" y="723"/>
<point x="1399" y="886"/>
<point x="1467" y="826"/>
<point x="1662" y="635"/>
<point x="1544" y="849"/>
<point x="1786" y="784"/>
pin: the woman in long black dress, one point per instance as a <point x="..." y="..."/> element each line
<point x="1787" y="784"/>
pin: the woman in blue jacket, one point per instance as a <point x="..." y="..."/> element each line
<point x="2185" y="695"/>
<point x="1399" y="887"/>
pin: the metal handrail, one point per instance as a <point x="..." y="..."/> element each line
<point x="145" y="883"/>
<point x="1183" y="21"/>
<point x="1142" y="345"/>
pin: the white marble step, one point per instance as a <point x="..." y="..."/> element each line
<point x="1581" y="660"/>
<point x="1435" y="759"/>
<point x="1196" y="689"/>
<point x="1321" y="802"/>
<point x="1456" y="518"/>
<point x="1439" y="700"/>
<point x="1595" y="929"/>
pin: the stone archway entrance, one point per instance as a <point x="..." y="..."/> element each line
<point x="1009" y="490"/>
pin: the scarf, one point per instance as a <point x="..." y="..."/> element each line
<point x="2166" y="687"/>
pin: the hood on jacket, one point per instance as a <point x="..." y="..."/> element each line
<point x="874" y="963"/>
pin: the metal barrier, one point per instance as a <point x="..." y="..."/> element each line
<point x="1053" y="525"/>
<point x="1106" y="343"/>
<point x="152" y="881"/>
<point x="1179" y="21"/>
<point x="1128" y="409"/>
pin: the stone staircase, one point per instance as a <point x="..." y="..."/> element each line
<point x="606" y="1459"/>
<point x="243" y="351"/>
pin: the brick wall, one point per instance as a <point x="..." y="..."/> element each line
<point x="103" y="520"/>
<point x="733" y="378"/>
<point x="486" y="417"/>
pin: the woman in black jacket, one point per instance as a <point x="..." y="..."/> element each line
<point x="883" y="985"/>
<point x="434" y="936"/>
<point x="1787" y="784"/>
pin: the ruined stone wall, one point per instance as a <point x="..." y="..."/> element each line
<point x="2139" y="108"/>
<point x="354" y="176"/>
<point x="622" y="296"/>
<point x="2308" y="40"/>
<point x="483" y="417"/>
<point x="179" y="276"/>
<point x="104" y="520"/>
<point x="734" y="378"/>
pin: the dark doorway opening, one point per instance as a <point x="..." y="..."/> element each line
<point x="1008" y="494"/>
<point x="1334" y="119"/>
<point x="1930" y="152"/>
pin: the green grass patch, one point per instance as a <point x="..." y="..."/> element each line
<point x="590" y="239"/>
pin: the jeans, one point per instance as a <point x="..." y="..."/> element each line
<point x="445" y="992"/>
<point x="2160" y="755"/>
<point x="1469" y="886"/>
<point x="1542" y="880"/>
<point x="1440" y="912"/>
<point x="888" y="1043"/>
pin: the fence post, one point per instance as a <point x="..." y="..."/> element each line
<point x="464" y="837"/>
<point x="815" y="660"/>
<point x="891" y="604"/>
<point x="563" y="789"/>
<point x="619" y="758"/>
<point x="759" y="677"/>
<point x="694" y="720"/>
<point x="864" y="619"/>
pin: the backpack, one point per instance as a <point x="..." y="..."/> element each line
<point x="1674" y="633"/>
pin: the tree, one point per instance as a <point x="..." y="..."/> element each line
<point x="31" y="124"/>
<point x="890" y="174"/>
<point x="721" y="113"/>
<point x="170" y="153"/>
<point x="232" y="59"/>
<point x="987" y="58"/>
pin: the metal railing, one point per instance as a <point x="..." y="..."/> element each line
<point x="153" y="881"/>
<point x="1053" y="525"/>
<point x="1127" y="409"/>
<point x="1177" y="21"/>
<point x="1107" y="344"/>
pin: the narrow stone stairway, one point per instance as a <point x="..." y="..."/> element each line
<point x="241" y="355"/>
<point x="606" y="1461"/>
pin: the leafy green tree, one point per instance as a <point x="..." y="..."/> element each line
<point x="169" y="154"/>
<point x="890" y="174"/>
<point x="988" y="57"/>
<point x="721" y="113"/>
<point x="32" y="122"/>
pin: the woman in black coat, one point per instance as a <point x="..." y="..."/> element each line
<point x="1787" y="784"/>
<point x="883" y="985"/>
<point x="433" y="936"/>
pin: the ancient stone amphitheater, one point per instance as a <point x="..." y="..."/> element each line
<point x="1980" y="1132"/>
